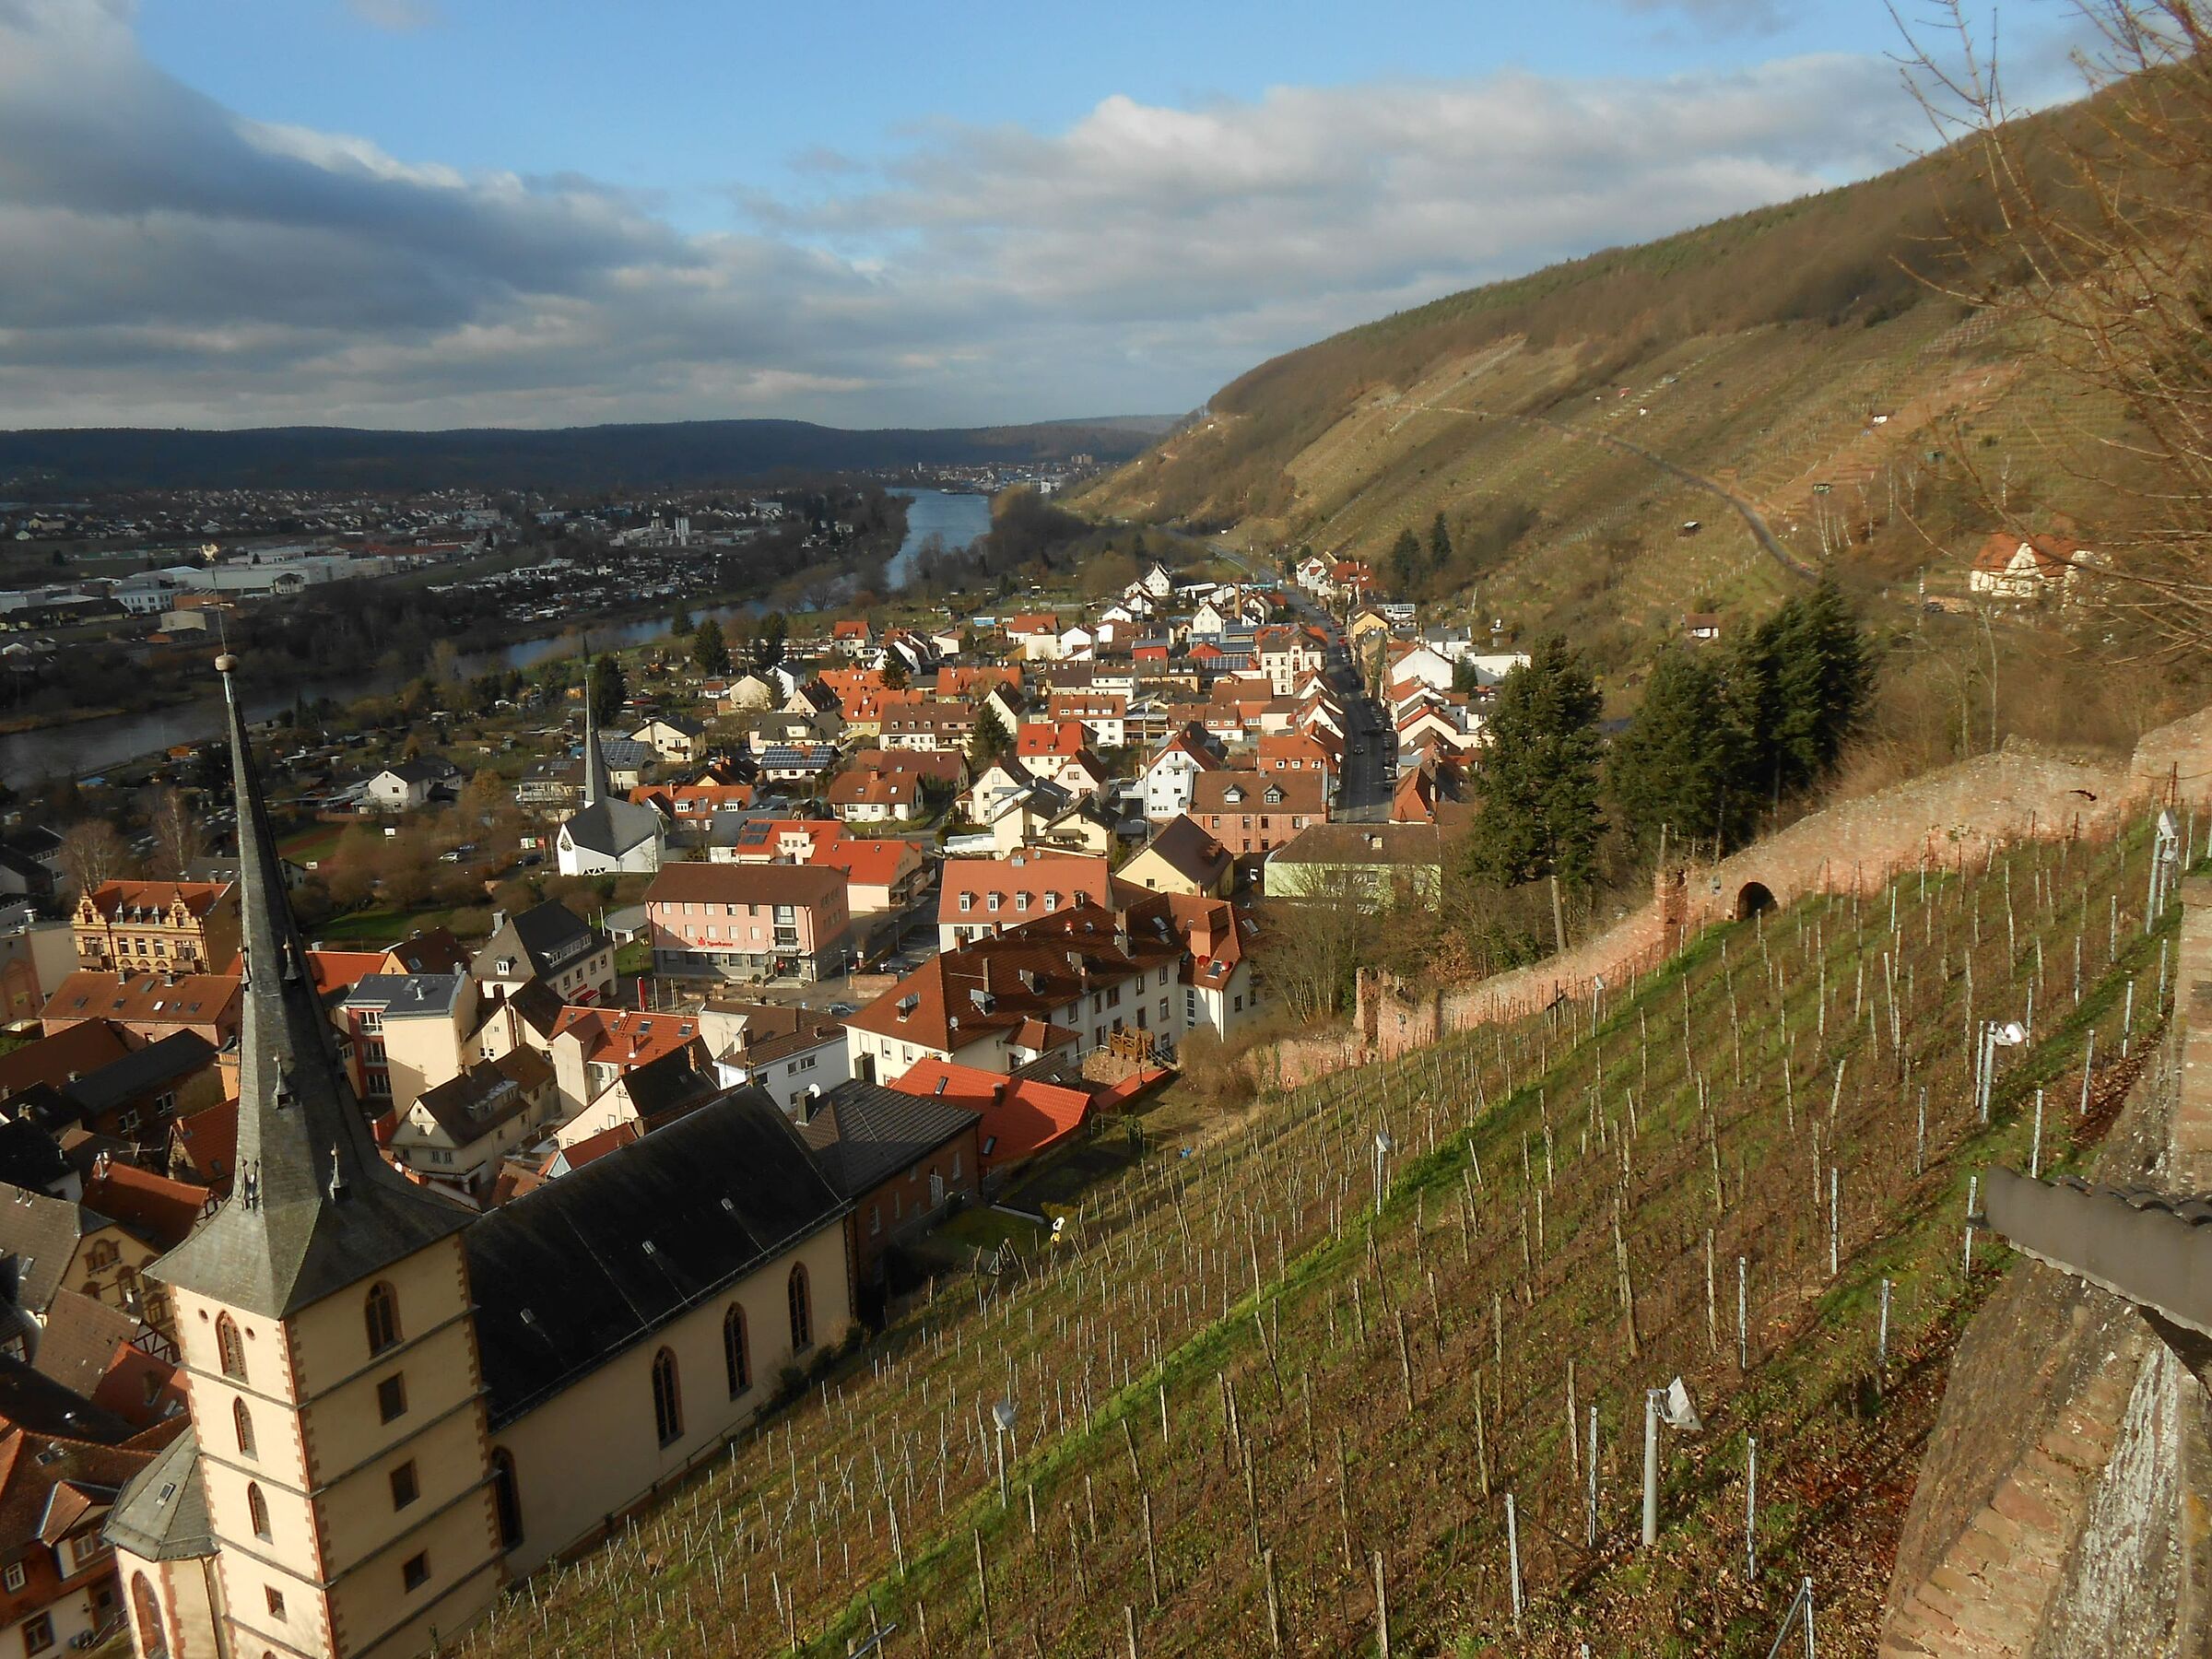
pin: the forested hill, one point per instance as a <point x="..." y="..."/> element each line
<point x="634" y="456"/>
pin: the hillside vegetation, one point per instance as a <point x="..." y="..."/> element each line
<point x="1803" y="359"/>
<point x="1254" y="1386"/>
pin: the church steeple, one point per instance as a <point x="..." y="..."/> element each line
<point x="313" y="1206"/>
<point x="594" y="759"/>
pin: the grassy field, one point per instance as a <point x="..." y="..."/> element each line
<point x="1253" y="1380"/>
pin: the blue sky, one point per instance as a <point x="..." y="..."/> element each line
<point x="426" y="212"/>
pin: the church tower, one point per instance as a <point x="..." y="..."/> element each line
<point x="329" y="1347"/>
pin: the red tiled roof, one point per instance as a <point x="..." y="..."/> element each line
<point x="1071" y="876"/>
<point x="151" y="1205"/>
<point x="1022" y="1117"/>
<point x="1040" y="737"/>
<point x="112" y="898"/>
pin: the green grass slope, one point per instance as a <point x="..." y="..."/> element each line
<point x="1250" y="1385"/>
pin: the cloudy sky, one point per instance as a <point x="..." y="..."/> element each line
<point x="415" y="213"/>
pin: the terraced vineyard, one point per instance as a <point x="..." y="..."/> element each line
<point x="1307" y="1367"/>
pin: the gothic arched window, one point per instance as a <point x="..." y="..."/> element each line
<point x="382" y="1315"/>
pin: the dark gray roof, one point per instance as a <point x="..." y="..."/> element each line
<point x="1189" y="850"/>
<point x="611" y="827"/>
<point x="550" y="937"/>
<point x="863" y="1134"/>
<point x="39" y="1405"/>
<point x="315" y="1207"/>
<point x="161" y="1512"/>
<point x="485" y="1095"/>
<point x="29" y="1157"/>
<point x="672" y="1083"/>
<point x="38" y="1235"/>
<point x="168" y="1060"/>
<point x="402" y="996"/>
<point x="573" y="1274"/>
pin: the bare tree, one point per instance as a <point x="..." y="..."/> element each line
<point x="176" y="839"/>
<point x="1312" y="942"/>
<point x="93" y="855"/>
<point x="2093" y="235"/>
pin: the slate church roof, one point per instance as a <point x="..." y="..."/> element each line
<point x="314" y="1208"/>
<point x="571" y="1275"/>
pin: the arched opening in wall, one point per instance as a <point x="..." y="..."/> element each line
<point x="145" y="1607"/>
<point x="1751" y="900"/>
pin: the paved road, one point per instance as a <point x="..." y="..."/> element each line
<point x="1364" y="792"/>
<point x="1748" y="513"/>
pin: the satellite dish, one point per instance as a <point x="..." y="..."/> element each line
<point x="2012" y="1034"/>
<point x="1678" y="1411"/>
<point x="1003" y="1413"/>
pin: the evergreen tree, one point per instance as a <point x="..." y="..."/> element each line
<point x="1537" y="775"/>
<point x="1801" y="679"/>
<point x="680" y="624"/>
<point x="708" y="648"/>
<point x="1681" y="763"/>
<point x="1404" y="559"/>
<point x="608" y="689"/>
<point x="990" y="741"/>
<point x="894" y="673"/>
<point x="768" y="642"/>
<point x="1440" y="544"/>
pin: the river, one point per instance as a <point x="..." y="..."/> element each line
<point x="82" y="748"/>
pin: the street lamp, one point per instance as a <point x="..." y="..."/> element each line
<point x="1672" y="1407"/>
<point x="1003" y="1413"/>
<point x="1995" y="1034"/>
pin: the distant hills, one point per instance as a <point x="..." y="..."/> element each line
<point x="1805" y="358"/>
<point x="671" y="454"/>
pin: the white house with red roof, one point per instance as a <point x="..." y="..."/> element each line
<point x="1165" y="782"/>
<point x="978" y="898"/>
<point x="1040" y="746"/>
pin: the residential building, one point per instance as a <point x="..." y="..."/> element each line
<point x="748" y="921"/>
<point x="159" y="927"/>
<point x="405" y="785"/>
<point x="1065" y="981"/>
<point x="902" y="1159"/>
<point x="1182" y="858"/>
<point x="1167" y="778"/>
<point x="2010" y="566"/>
<point x="1378" y="865"/>
<point x="408" y="1033"/>
<point x="455" y="1134"/>
<point x="979" y="897"/>
<point x="1252" y="813"/>
<point x="788" y="1052"/>
<point x="147" y="1006"/>
<point x="59" y="1476"/>
<point x="1019" y="1118"/>
<point x="675" y="740"/>
<point x="547" y="945"/>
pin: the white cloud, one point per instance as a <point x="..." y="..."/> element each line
<point x="172" y="262"/>
<point x="401" y="16"/>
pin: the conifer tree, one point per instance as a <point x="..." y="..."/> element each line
<point x="1404" y="559"/>
<point x="607" y="688"/>
<point x="1537" y="777"/>
<point x="708" y="650"/>
<point x="1680" y="761"/>
<point x="1440" y="544"/>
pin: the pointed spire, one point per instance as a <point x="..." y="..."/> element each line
<point x="281" y="1240"/>
<point x="594" y="761"/>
